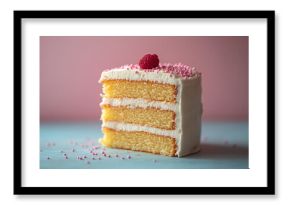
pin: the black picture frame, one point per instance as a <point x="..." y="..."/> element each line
<point x="268" y="190"/>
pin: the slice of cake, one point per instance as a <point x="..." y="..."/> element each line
<point x="152" y="107"/>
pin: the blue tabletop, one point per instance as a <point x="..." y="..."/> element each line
<point x="224" y="145"/>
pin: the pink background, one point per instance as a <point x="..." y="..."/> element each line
<point x="70" y="68"/>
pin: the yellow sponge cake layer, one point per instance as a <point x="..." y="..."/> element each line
<point x="153" y="117"/>
<point x="139" y="89"/>
<point x="139" y="141"/>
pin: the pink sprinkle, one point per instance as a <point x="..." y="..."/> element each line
<point x="84" y="156"/>
<point x="96" y="147"/>
<point x="178" y="69"/>
<point x="94" y="153"/>
<point x="129" y="157"/>
<point x="66" y="157"/>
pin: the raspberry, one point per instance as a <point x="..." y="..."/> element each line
<point x="149" y="61"/>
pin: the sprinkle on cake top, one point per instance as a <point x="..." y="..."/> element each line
<point x="150" y="63"/>
<point x="177" y="69"/>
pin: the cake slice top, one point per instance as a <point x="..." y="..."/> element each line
<point x="149" y="69"/>
<point x="164" y="73"/>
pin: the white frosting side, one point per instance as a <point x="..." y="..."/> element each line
<point x="138" y="128"/>
<point x="178" y="117"/>
<point x="190" y="107"/>
<point x="138" y="102"/>
<point x="131" y="74"/>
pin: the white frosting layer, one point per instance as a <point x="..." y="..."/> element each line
<point x="130" y="74"/>
<point x="188" y="107"/>
<point x="139" y="128"/>
<point x="133" y="103"/>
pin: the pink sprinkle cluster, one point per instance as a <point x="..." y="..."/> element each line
<point x="178" y="69"/>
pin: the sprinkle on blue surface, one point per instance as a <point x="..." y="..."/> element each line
<point x="224" y="145"/>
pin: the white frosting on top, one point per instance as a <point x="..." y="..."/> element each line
<point x="188" y="106"/>
<point x="130" y="74"/>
